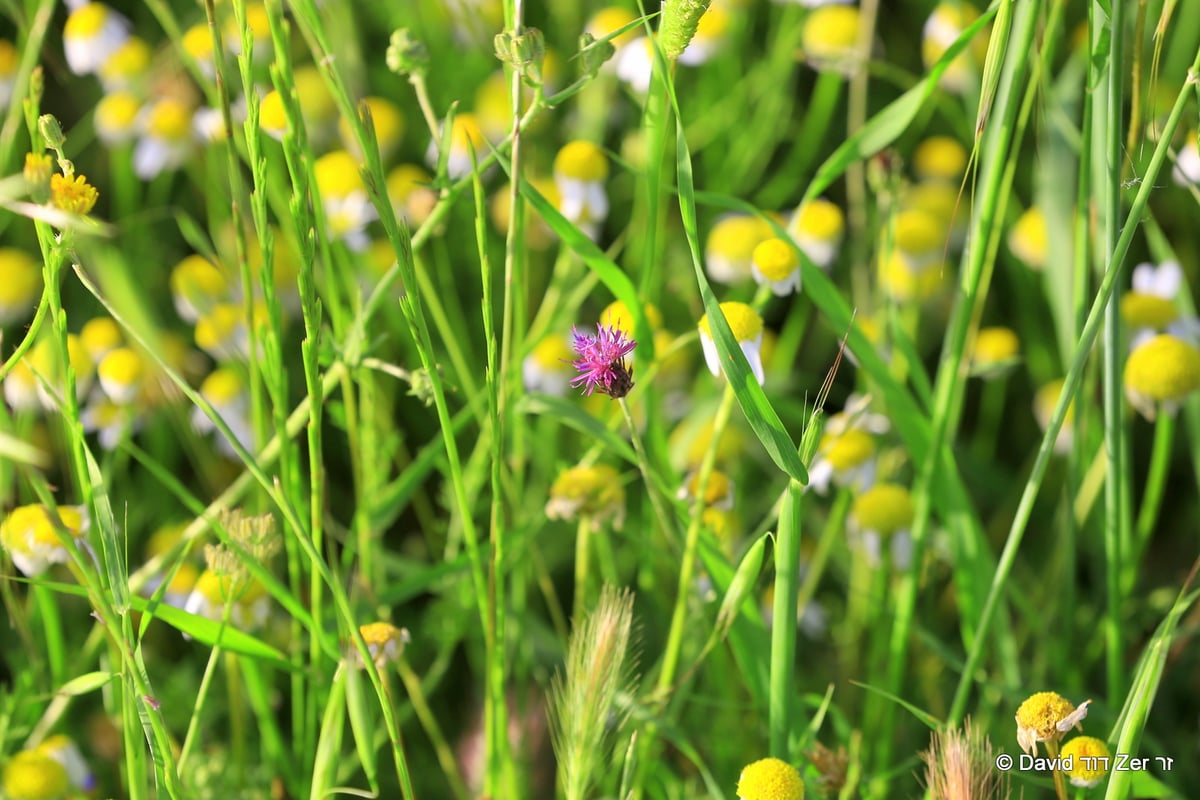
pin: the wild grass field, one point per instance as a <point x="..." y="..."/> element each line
<point x="455" y="399"/>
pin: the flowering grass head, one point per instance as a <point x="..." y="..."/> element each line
<point x="1045" y="717"/>
<point x="601" y="361"/>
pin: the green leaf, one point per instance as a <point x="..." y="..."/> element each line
<point x="758" y="410"/>
<point x="86" y="684"/>
<point x="930" y="721"/>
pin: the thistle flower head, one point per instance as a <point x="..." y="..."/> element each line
<point x="601" y="362"/>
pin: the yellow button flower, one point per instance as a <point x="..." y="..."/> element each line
<point x="121" y="374"/>
<point x="547" y="368"/>
<point x="729" y="249"/>
<point x="32" y="775"/>
<point x="384" y="641"/>
<point x="940" y="158"/>
<point x="1160" y="373"/>
<point x="21" y="287"/>
<point x="770" y="779"/>
<point x="747" y="328"/>
<point x="127" y="67"/>
<point x="32" y="537"/>
<point x="595" y="492"/>
<point x="580" y="169"/>
<point x="116" y="117"/>
<point x="942" y="29"/>
<point x="996" y="349"/>
<point x="776" y="264"/>
<point x="817" y="228"/>
<point x="1029" y="237"/>
<point x="1089" y="758"/>
<point x="1045" y="717"/>
<point x="830" y="38"/>
<point x="1044" y="401"/>
<point x="93" y="33"/>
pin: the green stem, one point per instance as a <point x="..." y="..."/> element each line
<point x="1107" y="167"/>
<point x="583" y="536"/>
<point x="783" y="632"/>
<point x="1156" y="484"/>
<point x="1071" y="384"/>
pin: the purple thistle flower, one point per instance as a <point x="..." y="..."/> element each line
<point x="601" y="363"/>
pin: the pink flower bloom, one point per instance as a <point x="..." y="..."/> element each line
<point x="601" y="363"/>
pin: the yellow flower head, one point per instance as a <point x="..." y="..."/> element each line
<point x="127" y="66"/>
<point x="1151" y="303"/>
<point x="92" y="34"/>
<point x="942" y="29"/>
<point x="197" y="286"/>
<point x="1045" y="717"/>
<point x="337" y="174"/>
<point x="1160" y="373"/>
<point x="776" y="264"/>
<point x="1090" y="760"/>
<point x="384" y="641"/>
<point x="33" y="775"/>
<point x="116" y="117"/>
<point x="1029" y="237"/>
<point x="31" y="536"/>
<point x="730" y="246"/>
<point x="1044" y="401"/>
<point x="73" y="195"/>
<point x="905" y="283"/>
<point x="830" y="37"/>
<point x="770" y="779"/>
<point x="412" y="196"/>
<point x="718" y="493"/>
<point x="747" y="328"/>
<point x="581" y="161"/>
<point x="885" y="508"/>
<point x="21" y="285"/>
<point x="593" y="491"/>
<point x="121" y="374"/>
<point x="38" y="169"/>
<point x="940" y="158"/>
<point x="995" y="348"/>
<point x="818" y="227"/>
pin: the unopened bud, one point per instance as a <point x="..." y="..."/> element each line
<point x="593" y="53"/>
<point x="52" y="132"/>
<point x="407" y="55"/>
